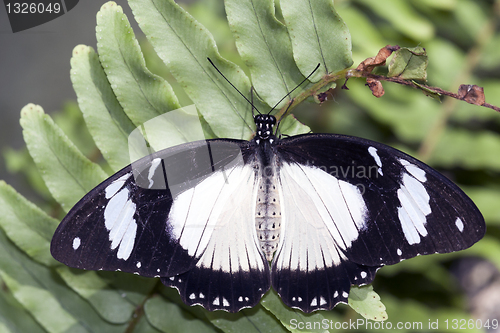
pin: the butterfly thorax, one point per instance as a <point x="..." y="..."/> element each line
<point x="265" y="124"/>
<point x="267" y="209"/>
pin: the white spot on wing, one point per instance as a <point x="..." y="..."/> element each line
<point x="154" y="165"/>
<point x="314" y="302"/>
<point x="225" y="302"/>
<point x="216" y="301"/>
<point x="119" y="221"/>
<point x="414" y="170"/>
<point x="240" y="299"/>
<point x="76" y="243"/>
<point x="192" y="296"/>
<point x="373" y="152"/>
<point x="322" y="301"/>
<point x="363" y="274"/>
<point x="414" y="208"/>
<point x="409" y="230"/>
<point x="138" y="265"/>
<point x="459" y="224"/>
<point x="345" y="294"/>
<point x="399" y="252"/>
<point x="336" y="294"/>
<point x="115" y="186"/>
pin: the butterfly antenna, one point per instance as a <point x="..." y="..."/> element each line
<point x="232" y="85"/>
<point x="289" y="105"/>
<point x="295" y="89"/>
<point x="251" y="97"/>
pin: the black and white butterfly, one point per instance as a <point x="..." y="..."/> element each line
<point x="327" y="210"/>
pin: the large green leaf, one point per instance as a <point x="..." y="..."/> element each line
<point x="43" y="306"/>
<point x="67" y="173"/>
<point x="52" y="304"/>
<point x="105" y="119"/>
<point x="264" y="44"/>
<point x="141" y="94"/>
<point x="184" y="45"/>
<point x="255" y="320"/>
<point x="26" y="225"/>
<point x="319" y="36"/>
<point x="169" y="317"/>
<point x="144" y="326"/>
<point x="13" y="317"/>
<point x="107" y="302"/>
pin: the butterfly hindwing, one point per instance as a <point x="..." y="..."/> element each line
<point x="231" y="273"/>
<point x="321" y="217"/>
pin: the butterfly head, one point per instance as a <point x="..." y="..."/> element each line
<point x="265" y="124"/>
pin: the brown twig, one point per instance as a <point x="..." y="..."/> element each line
<point x="469" y="93"/>
<point x="436" y="90"/>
